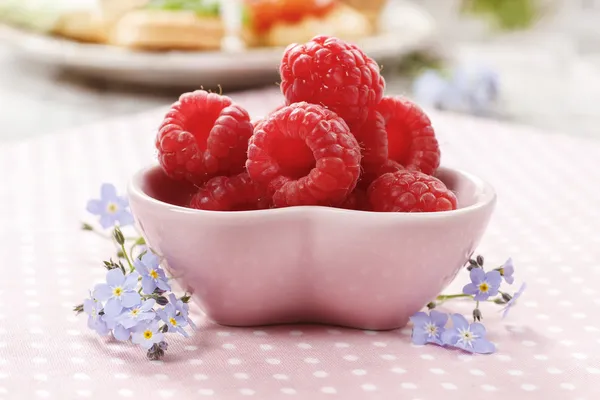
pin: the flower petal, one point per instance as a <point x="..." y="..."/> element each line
<point x="449" y="337"/>
<point x="148" y="305"/>
<point x="131" y="281"/>
<point x="419" y="318"/>
<point x="162" y="315"/>
<point x="140" y="267"/>
<point x="438" y="318"/>
<point x="459" y="321"/>
<point x="470" y="288"/>
<point x="162" y="285"/>
<point x="115" y="277"/>
<point x="150" y="260"/>
<point x="108" y="192"/>
<point x="124" y="217"/>
<point x="481" y="296"/>
<point x="509" y="279"/>
<point x="113" y="307"/>
<point x="148" y="285"/>
<point x="130" y="299"/>
<point x="102" y="292"/>
<point x="96" y="207"/>
<point x="127" y="322"/>
<point x="158" y="337"/>
<point x="121" y="333"/>
<point x="483" y="346"/>
<point x="477" y="275"/>
<point x="107" y="221"/>
<point x="478" y="329"/>
<point x="493" y="278"/>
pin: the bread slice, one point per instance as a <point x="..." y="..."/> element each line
<point x="343" y="22"/>
<point x="167" y="30"/>
<point x="83" y="26"/>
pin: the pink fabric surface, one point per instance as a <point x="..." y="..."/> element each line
<point x="547" y="219"/>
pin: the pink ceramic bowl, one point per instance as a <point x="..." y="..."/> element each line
<point x="310" y="264"/>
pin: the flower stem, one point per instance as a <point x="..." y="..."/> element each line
<point x="131" y="268"/>
<point x="444" y="297"/>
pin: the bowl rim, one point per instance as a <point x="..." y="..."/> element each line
<point x="489" y="197"/>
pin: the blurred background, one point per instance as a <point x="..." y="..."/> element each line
<point x="67" y="63"/>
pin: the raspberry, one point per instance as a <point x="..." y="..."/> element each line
<point x="333" y="73"/>
<point x="373" y="141"/>
<point x="357" y="200"/>
<point x="410" y="191"/>
<point x="411" y="139"/>
<point x="236" y="193"/>
<point x="305" y="155"/>
<point x="203" y="135"/>
<point x="371" y="174"/>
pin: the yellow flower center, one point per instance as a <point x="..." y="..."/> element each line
<point x="172" y="321"/>
<point x="484" y="287"/>
<point x="118" y="291"/>
<point x="431" y="329"/>
<point x="112" y="208"/>
<point x="148" y="334"/>
<point x="135" y="311"/>
<point x="153" y="274"/>
<point x="501" y="270"/>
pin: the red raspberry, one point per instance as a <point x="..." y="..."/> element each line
<point x="373" y="141"/>
<point x="306" y="155"/>
<point x="236" y="193"/>
<point x="203" y="135"/>
<point x="410" y="191"/>
<point x="371" y="174"/>
<point x="357" y="200"/>
<point x="411" y="139"/>
<point x="333" y="73"/>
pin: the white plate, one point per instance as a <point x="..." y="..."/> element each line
<point x="406" y="28"/>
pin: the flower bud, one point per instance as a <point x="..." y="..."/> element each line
<point x="477" y="316"/>
<point x="431" y="305"/>
<point x="87" y="227"/>
<point x="163" y="345"/>
<point x="480" y="260"/>
<point x="162" y="300"/>
<point x="506" y="297"/>
<point x="118" y="235"/>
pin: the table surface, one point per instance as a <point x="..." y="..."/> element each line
<point x="546" y="219"/>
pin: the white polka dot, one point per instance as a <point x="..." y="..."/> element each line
<point x="565" y="303"/>
<point x="121" y="376"/>
<point x="273" y="361"/>
<point x="379" y="344"/>
<point x="515" y="372"/>
<point x="593" y="371"/>
<point x="368" y="387"/>
<point x="73" y="332"/>
<point x="502" y="357"/>
<point x="328" y="390"/>
<point x="234" y="361"/>
<point x="225" y="333"/>
<point x="554" y="371"/>
<point x="36" y="331"/>
<point x="579" y="356"/>
<point x="304" y="346"/>
<point x="531" y="304"/>
<point x="437" y="371"/>
<point x="567" y="343"/>
<point x="449" y="386"/>
<point x="320" y="374"/>
<point x="334" y="332"/>
<point x="228" y="346"/>
<point x="555" y="329"/>
<point x="553" y="292"/>
<point x="84" y="393"/>
<point x="477" y="372"/>
<point x="260" y="333"/>
<point x="427" y="357"/>
<point x="241" y="375"/>
<point x="42" y="393"/>
<point x="288" y="390"/>
<point x="33" y="304"/>
<point x="540" y="357"/>
<point x="296" y="333"/>
<point x="266" y="347"/>
<point x="206" y="392"/>
<point x="350" y="357"/>
<point x="528" y="387"/>
<point x="567" y="386"/>
<point x="489" y="388"/>
<point x="125" y="393"/>
<point x="281" y="377"/>
<point x="359" y="372"/>
<point x="80" y="376"/>
<point x="579" y="315"/>
<point x="40" y="377"/>
<point x="247" y="392"/>
<point x="311" y="360"/>
<point x="341" y="345"/>
<point x="76" y="346"/>
<point x="191" y="348"/>
<point x="398" y="370"/>
<point x="195" y="361"/>
<point x="591" y="329"/>
<point x="161" y="377"/>
<point x="40" y="360"/>
<point x="200" y="377"/>
<point x="528" y="343"/>
<point x="118" y="361"/>
<point x="389" y="357"/>
<point x="408" y="385"/>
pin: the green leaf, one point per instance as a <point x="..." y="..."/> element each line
<point x="205" y="8"/>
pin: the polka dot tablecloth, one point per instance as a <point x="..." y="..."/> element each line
<point x="547" y="219"/>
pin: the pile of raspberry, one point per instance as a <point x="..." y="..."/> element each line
<point x="337" y="141"/>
